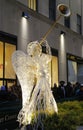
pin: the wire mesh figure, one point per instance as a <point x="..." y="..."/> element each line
<point x="32" y="70"/>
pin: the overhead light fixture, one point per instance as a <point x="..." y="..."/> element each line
<point x="62" y="32"/>
<point x="62" y="39"/>
<point x="25" y="15"/>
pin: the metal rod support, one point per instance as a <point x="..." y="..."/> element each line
<point x="50" y="29"/>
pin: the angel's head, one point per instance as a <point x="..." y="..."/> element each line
<point x="34" y="49"/>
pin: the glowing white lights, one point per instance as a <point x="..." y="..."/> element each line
<point x="32" y="70"/>
<point x="62" y="41"/>
<point x="24" y="25"/>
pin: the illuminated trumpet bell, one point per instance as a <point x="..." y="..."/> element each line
<point x="64" y="10"/>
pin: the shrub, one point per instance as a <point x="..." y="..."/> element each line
<point x="70" y="115"/>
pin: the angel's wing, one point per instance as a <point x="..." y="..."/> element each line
<point x="22" y="64"/>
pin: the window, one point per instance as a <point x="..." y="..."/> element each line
<point x="54" y="70"/>
<point x="72" y="71"/>
<point x="75" y="68"/>
<point x="53" y="66"/>
<point x="32" y="4"/>
<point x="9" y="72"/>
<point x="67" y="22"/>
<point x="7" y="47"/>
<point x="52" y="9"/>
<point x="79" y="24"/>
<point x="1" y="59"/>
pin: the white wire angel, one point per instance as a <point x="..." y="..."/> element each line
<point x="32" y="70"/>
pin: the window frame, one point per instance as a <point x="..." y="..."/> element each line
<point x="33" y="4"/>
<point x="52" y="9"/>
<point x="67" y="21"/>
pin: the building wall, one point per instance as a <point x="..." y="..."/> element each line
<point x="25" y="2"/>
<point x="8" y="12"/>
<point x="75" y="9"/>
<point x="74" y="5"/>
<point x="26" y="30"/>
<point x="82" y="14"/>
<point x="43" y="7"/>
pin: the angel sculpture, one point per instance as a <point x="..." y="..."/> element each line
<point x="32" y="70"/>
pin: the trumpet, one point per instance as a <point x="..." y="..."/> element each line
<point x="64" y="11"/>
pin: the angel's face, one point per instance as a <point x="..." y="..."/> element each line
<point x="34" y="49"/>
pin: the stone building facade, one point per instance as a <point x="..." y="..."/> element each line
<point x="66" y="44"/>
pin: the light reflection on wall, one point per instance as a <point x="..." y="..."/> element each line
<point x="62" y="41"/>
<point x="23" y="33"/>
<point x="62" y="58"/>
<point x="24" y="27"/>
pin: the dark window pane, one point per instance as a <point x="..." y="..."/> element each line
<point x="52" y="9"/>
<point x="67" y="21"/>
<point x="79" y="24"/>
